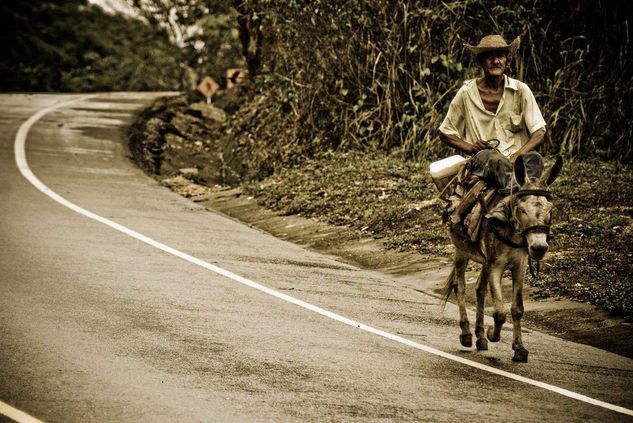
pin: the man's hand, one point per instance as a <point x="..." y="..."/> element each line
<point x="463" y="146"/>
<point x="479" y="145"/>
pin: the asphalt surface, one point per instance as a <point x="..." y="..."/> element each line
<point x="97" y="326"/>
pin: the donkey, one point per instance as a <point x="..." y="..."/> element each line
<point x="504" y="245"/>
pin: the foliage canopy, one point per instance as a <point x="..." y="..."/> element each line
<point x="66" y="45"/>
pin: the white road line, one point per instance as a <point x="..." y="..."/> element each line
<point x="17" y="415"/>
<point x="20" y="158"/>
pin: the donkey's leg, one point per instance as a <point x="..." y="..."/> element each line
<point x="461" y="261"/>
<point x="494" y="280"/>
<point x="482" y="287"/>
<point x="518" y="276"/>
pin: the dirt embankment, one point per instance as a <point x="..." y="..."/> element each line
<point x="177" y="142"/>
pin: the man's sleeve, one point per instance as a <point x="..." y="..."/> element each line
<point x="454" y="122"/>
<point x="531" y="112"/>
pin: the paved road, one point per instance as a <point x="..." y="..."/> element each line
<point x="98" y="326"/>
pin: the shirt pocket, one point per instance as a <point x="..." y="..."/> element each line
<point x="513" y="122"/>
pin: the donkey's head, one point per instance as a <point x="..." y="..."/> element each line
<point x="531" y="209"/>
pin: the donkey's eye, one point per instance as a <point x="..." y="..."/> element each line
<point x="520" y="210"/>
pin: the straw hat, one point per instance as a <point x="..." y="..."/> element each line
<point x="494" y="43"/>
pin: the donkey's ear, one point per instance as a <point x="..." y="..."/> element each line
<point x="519" y="171"/>
<point x="552" y="173"/>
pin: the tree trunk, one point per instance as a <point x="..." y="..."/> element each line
<point x="250" y="36"/>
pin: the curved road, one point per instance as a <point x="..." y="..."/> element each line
<point x="169" y="317"/>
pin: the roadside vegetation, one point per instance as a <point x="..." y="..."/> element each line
<point x="380" y="75"/>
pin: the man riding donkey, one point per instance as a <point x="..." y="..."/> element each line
<point x="495" y="119"/>
<point x="498" y="203"/>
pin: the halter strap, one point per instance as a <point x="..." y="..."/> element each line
<point x="536" y="228"/>
<point x="537" y="192"/>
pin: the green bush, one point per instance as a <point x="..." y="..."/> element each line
<point x="375" y="74"/>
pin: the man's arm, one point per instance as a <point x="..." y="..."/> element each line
<point x="535" y="140"/>
<point x="463" y="146"/>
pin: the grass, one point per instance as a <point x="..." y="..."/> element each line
<point x="381" y="195"/>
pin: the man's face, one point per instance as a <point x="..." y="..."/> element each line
<point x="494" y="62"/>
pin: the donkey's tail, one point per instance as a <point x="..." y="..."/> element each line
<point x="449" y="286"/>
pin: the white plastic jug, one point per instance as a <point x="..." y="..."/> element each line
<point x="442" y="171"/>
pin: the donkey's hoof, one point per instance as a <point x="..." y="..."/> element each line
<point x="492" y="336"/>
<point x="466" y="339"/>
<point x="482" y="344"/>
<point x="520" y="355"/>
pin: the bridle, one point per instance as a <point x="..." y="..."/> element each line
<point x="534" y="269"/>
<point x="535" y="228"/>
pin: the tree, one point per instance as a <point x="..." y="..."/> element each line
<point x="46" y="50"/>
<point x="205" y="30"/>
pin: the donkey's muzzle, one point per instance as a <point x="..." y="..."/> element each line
<point x="537" y="237"/>
<point x="537" y="250"/>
